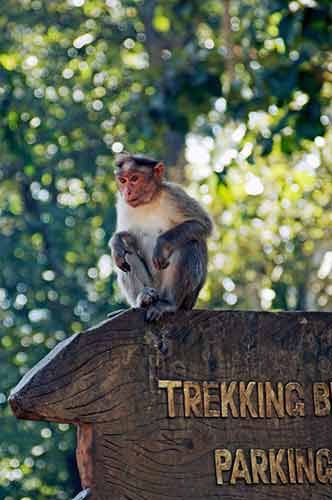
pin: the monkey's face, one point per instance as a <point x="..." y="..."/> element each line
<point x="138" y="186"/>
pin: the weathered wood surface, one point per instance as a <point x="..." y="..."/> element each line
<point x="107" y="378"/>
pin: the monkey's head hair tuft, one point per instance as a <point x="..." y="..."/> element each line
<point x="126" y="159"/>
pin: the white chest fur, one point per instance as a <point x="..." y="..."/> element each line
<point x="145" y="222"/>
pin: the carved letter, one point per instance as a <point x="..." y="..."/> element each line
<point x="240" y="468"/>
<point x="227" y="399"/>
<point x="170" y="385"/>
<point x="321" y="399"/>
<point x="245" y="402"/>
<point x="259" y="466"/>
<point x="324" y="474"/>
<point x="273" y="401"/>
<point x="275" y="466"/>
<point x="260" y="399"/>
<point x="291" y="465"/>
<point x="210" y="398"/>
<point x="192" y="399"/>
<point x="294" y="408"/>
<point x="223" y="462"/>
<point x="305" y="466"/>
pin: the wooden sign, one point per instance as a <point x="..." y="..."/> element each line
<point x="204" y="405"/>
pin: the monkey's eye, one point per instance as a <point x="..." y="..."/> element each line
<point x="134" y="178"/>
<point x="122" y="180"/>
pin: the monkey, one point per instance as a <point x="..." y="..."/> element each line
<point x="160" y="243"/>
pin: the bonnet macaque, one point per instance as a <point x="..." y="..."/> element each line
<point x="159" y="247"/>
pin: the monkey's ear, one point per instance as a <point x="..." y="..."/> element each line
<point x="158" y="170"/>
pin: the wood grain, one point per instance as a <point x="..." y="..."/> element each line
<point x="108" y="377"/>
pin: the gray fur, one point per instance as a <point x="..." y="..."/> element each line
<point x="168" y="274"/>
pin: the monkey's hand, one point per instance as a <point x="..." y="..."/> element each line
<point x="120" y="261"/>
<point x="161" y="253"/>
<point x="122" y="244"/>
<point x="147" y="297"/>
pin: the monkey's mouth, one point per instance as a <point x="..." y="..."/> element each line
<point x="133" y="201"/>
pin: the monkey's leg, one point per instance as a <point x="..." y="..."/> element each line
<point x="137" y="284"/>
<point x="122" y="244"/>
<point x="182" y="280"/>
<point x="134" y="276"/>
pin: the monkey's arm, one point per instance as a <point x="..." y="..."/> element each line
<point x="136" y="280"/>
<point x="177" y="237"/>
<point x="187" y="209"/>
<point x="194" y="224"/>
<point x="122" y="243"/>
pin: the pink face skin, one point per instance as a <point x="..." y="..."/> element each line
<point x="139" y="187"/>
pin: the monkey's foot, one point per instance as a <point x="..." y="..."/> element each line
<point x="147" y="297"/>
<point x="154" y="312"/>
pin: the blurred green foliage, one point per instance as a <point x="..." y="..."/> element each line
<point x="234" y="95"/>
